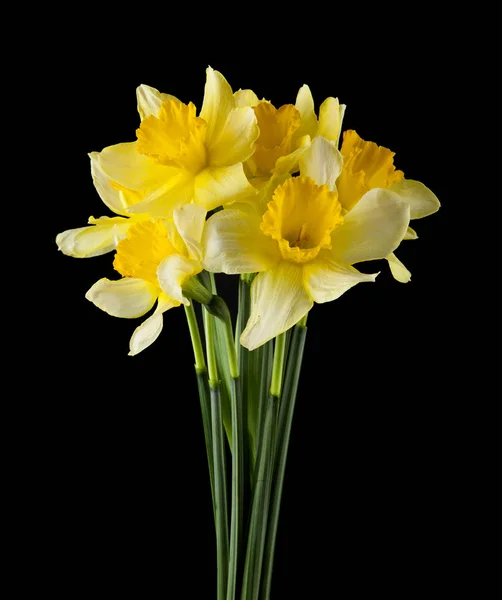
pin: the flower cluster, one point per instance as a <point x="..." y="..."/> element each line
<point x="243" y="187"/>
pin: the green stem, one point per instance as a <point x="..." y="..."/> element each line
<point x="282" y="445"/>
<point x="198" y="351"/>
<point x="265" y="376"/>
<point x="278" y="367"/>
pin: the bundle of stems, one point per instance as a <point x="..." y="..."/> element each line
<point x="247" y="401"/>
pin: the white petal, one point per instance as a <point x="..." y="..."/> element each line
<point x="237" y="138"/>
<point x="398" y="270"/>
<point x="327" y="280"/>
<point x="330" y="119"/>
<point x="423" y="202"/>
<point x="110" y="196"/>
<point x="189" y="220"/>
<point x="216" y="186"/>
<point x="150" y="100"/>
<point x="150" y="329"/>
<point x="305" y="106"/>
<point x="234" y="243"/>
<point x="172" y="273"/>
<point x="218" y="102"/>
<point x="127" y="298"/>
<point x="372" y="229"/>
<point x="245" y="98"/>
<point x="322" y="162"/>
<point x="278" y="301"/>
<point x="95" y="240"/>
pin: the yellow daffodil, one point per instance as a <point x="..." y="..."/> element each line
<point x="180" y="157"/>
<point x="155" y="259"/>
<point x="304" y="244"/>
<point x="367" y="166"/>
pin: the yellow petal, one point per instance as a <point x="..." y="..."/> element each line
<point x="398" y="270"/>
<point x="290" y="163"/>
<point x="278" y="301"/>
<point x="161" y="202"/>
<point x="189" y="221"/>
<point x="411" y="234"/>
<point x="172" y="273"/>
<point x="86" y="242"/>
<point x="330" y="119"/>
<point x="372" y="229"/>
<point x="322" y="162"/>
<point x="127" y="298"/>
<point x="218" y="102"/>
<point x="245" y="98"/>
<point x="327" y="280"/>
<point x="423" y="202"/>
<point x="234" y="243"/>
<point x="150" y="100"/>
<point x="150" y="329"/>
<point x="237" y="139"/>
<point x="305" y="106"/>
<point x="110" y="195"/>
<point x="216" y="186"/>
<point x="124" y="165"/>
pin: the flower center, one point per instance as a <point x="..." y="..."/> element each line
<point x="175" y="137"/>
<point x="301" y="217"/>
<point x="365" y="166"/>
<point x="276" y="131"/>
<point x="143" y="249"/>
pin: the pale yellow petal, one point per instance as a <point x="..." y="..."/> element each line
<point x="372" y="229"/>
<point x="124" y="165"/>
<point x="245" y="98"/>
<point x="94" y="240"/>
<point x="398" y="270"/>
<point x="330" y="119"/>
<point x="327" y="280"/>
<point x="237" y="138"/>
<point x="161" y="202"/>
<point x="305" y="106"/>
<point x="150" y="329"/>
<point x="150" y="100"/>
<point x="322" y="162"/>
<point x="172" y="273"/>
<point x="291" y="162"/>
<point x="234" y="243"/>
<point x="278" y="301"/>
<point x="423" y="202"/>
<point x="410" y="234"/>
<point x="216" y="186"/>
<point x="127" y="298"/>
<point x="189" y="220"/>
<point x="111" y="196"/>
<point x="218" y="102"/>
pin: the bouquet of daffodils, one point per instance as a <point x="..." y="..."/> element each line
<point x="265" y="193"/>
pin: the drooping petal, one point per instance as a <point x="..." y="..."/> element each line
<point x="245" y="98"/>
<point x="423" y="202"/>
<point x="305" y="106"/>
<point x="237" y="138"/>
<point x="327" y="280"/>
<point x="322" y="162"/>
<point x="172" y="273"/>
<point x="398" y="270"/>
<point x="330" y="119"/>
<point x="94" y="240"/>
<point x="150" y="100"/>
<point x="216" y="186"/>
<point x="218" y="102"/>
<point x="372" y="229"/>
<point x="127" y="298"/>
<point x="189" y="221"/>
<point x="278" y="301"/>
<point x="234" y="243"/>
<point x="124" y="165"/>
<point x="162" y="201"/>
<point x="150" y="329"/>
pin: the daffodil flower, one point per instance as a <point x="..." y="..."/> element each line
<point x="155" y="259"/>
<point x="303" y="246"/>
<point x="367" y="166"/>
<point x="180" y="157"/>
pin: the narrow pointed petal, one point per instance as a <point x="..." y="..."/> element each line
<point x="94" y="240"/>
<point x="150" y="329"/>
<point x="127" y="298"/>
<point x="322" y="162"/>
<point x="372" y="229"/>
<point x="172" y="273"/>
<point x="150" y="100"/>
<point x="398" y="270"/>
<point x="278" y="301"/>
<point x="218" y="102"/>
<point x="245" y="98"/>
<point x="423" y="202"/>
<point x="330" y="119"/>
<point x="305" y="106"/>
<point x="234" y="243"/>
<point x="216" y="186"/>
<point x="290" y="163"/>
<point x="327" y="280"/>
<point x="237" y="138"/>
<point x="189" y="221"/>
<point x="411" y="234"/>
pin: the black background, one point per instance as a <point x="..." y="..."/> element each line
<point x="119" y="472"/>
